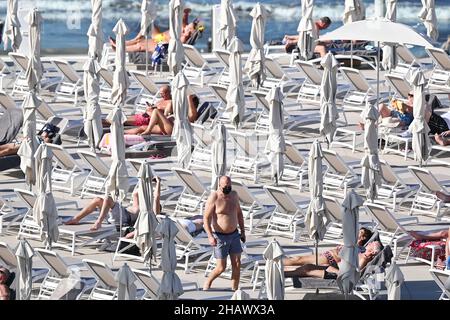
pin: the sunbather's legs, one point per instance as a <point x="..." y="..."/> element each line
<point x="137" y="130"/>
<point x="235" y="270"/>
<point x="95" y="204"/>
<point x="221" y="264"/>
<point x="159" y="124"/>
<point x="308" y="270"/>
<point x="107" y="205"/>
<point x="139" y="46"/>
<point x="8" y="149"/>
<point x="303" y="260"/>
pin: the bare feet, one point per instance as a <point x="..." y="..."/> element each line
<point x="97" y="225"/>
<point x="72" y="222"/>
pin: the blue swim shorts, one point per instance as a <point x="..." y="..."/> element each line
<point x="227" y="243"/>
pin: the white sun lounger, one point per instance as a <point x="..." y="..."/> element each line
<point x="360" y="92"/>
<point x="201" y="155"/>
<point x="440" y="77"/>
<point x="71" y="83"/>
<point x="149" y="90"/>
<point x="197" y="68"/>
<point x="399" y="85"/>
<point x="7" y="76"/>
<point x="295" y="171"/>
<point x="106" y="287"/>
<point x="441" y="277"/>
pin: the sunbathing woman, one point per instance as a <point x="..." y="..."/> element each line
<point x="439" y="239"/>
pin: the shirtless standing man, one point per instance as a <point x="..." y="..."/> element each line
<point x="222" y="216"/>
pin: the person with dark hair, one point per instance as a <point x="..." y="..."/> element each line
<point x="5" y="292"/>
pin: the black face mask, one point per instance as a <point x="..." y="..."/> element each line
<point x="226" y="189"/>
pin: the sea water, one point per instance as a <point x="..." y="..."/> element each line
<point x="67" y="21"/>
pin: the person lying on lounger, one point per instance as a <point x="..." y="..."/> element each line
<point x="129" y="215"/>
<point x="327" y="267"/>
<point x="5" y="292"/>
<point x="139" y="44"/>
<point x="439" y="239"/>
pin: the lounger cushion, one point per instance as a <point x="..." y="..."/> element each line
<point x="314" y="283"/>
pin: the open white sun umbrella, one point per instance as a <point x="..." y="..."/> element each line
<point x="240" y="295"/>
<point x="45" y="213"/>
<point x="394" y="280"/>
<point x="182" y="130"/>
<point x="227" y="26"/>
<point x="126" y="278"/>
<point x="317" y="218"/>
<point x="354" y="10"/>
<point x="371" y="168"/>
<point x="12" y="26"/>
<point x="349" y="272"/>
<point x="171" y="287"/>
<point x="218" y="154"/>
<point x="275" y="146"/>
<point x="307" y="31"/>
<point x="24" y="254"/>
<point x="389" y="53"/>
<point x="419" y="127"/>
<point x="254" y="66"/>
<point x="274" y="271"/>
<point x="235" y="93"/>
<point x="175" y="52"/>
<point x="428" y="17"/>
<point x="95" y="32"/>
<point x="120" y="77"/>
<point x="144" y="228"/>
<point x="328" y="110"/>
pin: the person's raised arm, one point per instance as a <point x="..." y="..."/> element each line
<point x="192" y="111"/>
<point x="209" y="211"/>
<point x="240" y="217"/>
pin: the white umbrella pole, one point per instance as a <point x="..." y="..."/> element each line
<point x="378" y="72"/>
<point x="317" y="255"/>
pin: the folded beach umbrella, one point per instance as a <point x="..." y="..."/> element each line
<point x="389" y="53"/>
<point x="170" y="288"/>
<point x="95" y="32"/>
<point x="227" y="27"/>
<point x="182" y="130"/>
<point x="419" y="127"/>
<point x="45" y="213"/>
<point x="30" y="143"/>
<point x="317" y="218"/>
<point x="354" y="10"/>
<point x="371" y="168"/>
<point x="126" y="278"/>
<point x="240" y="295"/>
<point x="394" y="279"/>
<point x="12" y="26"/>
<point x="24" y="255"/>
<point x="274" y="271"/>
<point x="328" y="110"/>
<point x="34" y="70"/>
<point x="276" y="147"/>
<point x="254" y="66"/>
<point x="307" y="31"/>
<point x="144" y="228"/>
<point x="120" y="77"/>
<point x="148" y="12"/>
<point x="428" y="17"/>
<point x="348" y="275"/>
<point x="235" y="93"/>
<point x="175" y="53"/>
<point x="218" y="154"/>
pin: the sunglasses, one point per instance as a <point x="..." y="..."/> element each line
<point x="410" y="95"/>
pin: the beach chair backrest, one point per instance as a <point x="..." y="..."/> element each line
<point x="333" y="207"/>
<point x="399" y="84"/>
<point x="335" y="162"/>
<point x="190" y="180"/>
<point x="440" y="57"/>
<point x="182" y="237"/>
<point x="282" y="199"/>
<point x="149" y="282"/>
<point x="441" y="279"/>
<point x="273" y="67"/>
<point x="294" y="156"/>
<point x="6" y="101"/>
<point x="202" y="134"/>
<point x="220" y="91"/>
<point x="311" y="72"/>
<point x="145" y="82"/>
<point x="245" y="196"/>
<point x="193" y="56"/>
<point x="101" y="272"/>
<point x="62" y="156"/>
<point x="94" y="162"/>
<point x="244" y="143"/>
<point x="107" y="76"/>
<point x="383" y="217"/>
<point x="20" y="59"/>
<point x="67" y="70"/>
<point x="54" y="262"/>
<point x="405" y="54"/>
<point x="387" y="173"/>
<point x="260" y="97"/>
<point x="427" y="179"/>
<point x="45" y="111"/>
<point x="356" y="79"/>
<point x="7" y="256"/>
<point x="223" y="56"/>
<point x="26" y="196"/>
